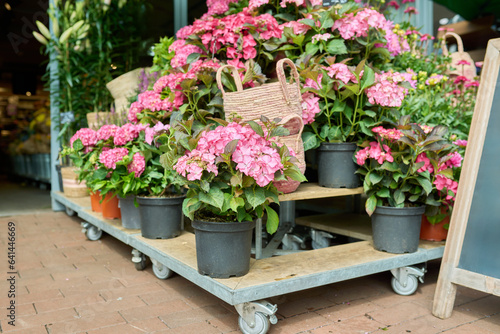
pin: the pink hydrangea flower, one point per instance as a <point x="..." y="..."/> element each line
<point x="442" y="183"/>
<point x="152" y="132"/>
<point x="386" y="92"/>
<point x="320" y="37"/>
<point x="137" y="165"/>
<point x="341" y="72"/>
<point x="110" y="157"/>
<point x="455" y="160"/>
<point x="252" y="4"/>
<point x="298" y="28"/>
<point x="107" y="131"/>
<point x="352" y="26"/>
<point x="310" y="83"/>
<point x="310" y="107"/>
<point x="86" y="135"/>
<point x="427" y="163"/>
<point x="374" y="151"/>
<point x="461" y="142"/>
<point x="297" y="3"/>
<point x="390" y="134"/>
<point x="126" y="133"/>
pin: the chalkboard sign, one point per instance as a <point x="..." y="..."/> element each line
<point x="333" y="2"/>
<point x="472" y="252"/>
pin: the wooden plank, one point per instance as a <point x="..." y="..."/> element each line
<point x="313" y="190"/>
<point x="476" y="281"/>
<point x="349" y="224"/>
<point x="444" y="297"/>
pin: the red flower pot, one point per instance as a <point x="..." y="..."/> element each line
<point x="110" y="209"/>
<point x="434" y="232"/>
<point x="95" y="201"/>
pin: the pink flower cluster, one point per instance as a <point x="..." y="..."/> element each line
<point x="253" y="155"/>
<point x="110" y="157"/>
<point x="341" y="72"/>
<point x="442" y="183"/>
<point x="461" y="142"/>
<point x="182" y="52"/>
<point x="217" y="7"/>
<point x="310" y="107"/>
<point x="374" y="151"/>
<point x="386" y="91"/>
<point x="236" y="32"/>
<point x="87" y="136"/>
<point x="137" y="165"/>
<point x="390" y="134"/>
<point x="152" y="132"/>
<point x="126" y="133"/>
<point x="107" y="131"/>
<point x="355" y="25"/>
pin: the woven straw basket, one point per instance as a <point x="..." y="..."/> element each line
<point x="468" y="71"/>
<point x="71" y="186"/>
<point x="274" y="100"/>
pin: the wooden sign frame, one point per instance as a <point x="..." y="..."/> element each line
<point x="451" y="274"/>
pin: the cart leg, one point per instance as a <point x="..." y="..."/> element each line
<point x="139" y="259"/>
<point x="92" y="232"/>
<point x="255" y="317"/>
<point x="161" y="271"/>
<point x="405" y="279"/>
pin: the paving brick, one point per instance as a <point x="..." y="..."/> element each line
<point x="79" y="324"/>
<point x="66" y="302"/>
<point x="119" y="304"/>
<point x="398" y="313"/>
<point x="33" y="330"/>
<point x="119" y="290"/>
<point x="152" y="311"/>
<point x="40" y="296"/>
<point x="196" y="328"/>
<point x="149" y="325"/>
<point x="303" y="305"/>
<point x="348" y="310"/>
<point x="124" y="328"/>
<point x="487" y="306"/>
<point x="24" y="322"/>
<point x="300" y="323"/>
<point x="225" y="324"/>
<point x="469" y="329"/>
<point x="179" y="319"/>
<point x="491" y="323"/>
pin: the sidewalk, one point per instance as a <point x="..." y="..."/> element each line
<point x="68" y="284"/>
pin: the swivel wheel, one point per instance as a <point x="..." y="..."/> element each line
<point x="93" y="233"/>
<point x="140" y="260"/>
<point x="70" y="212"/>
<point x="409" y="289"/>
<point x="261" y="325"/>
<point x="160" y="270"/>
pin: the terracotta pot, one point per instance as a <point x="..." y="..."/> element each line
<point x="434" y="232"/>
<point x="110" y="209"/>
<point x="95" y="201"/>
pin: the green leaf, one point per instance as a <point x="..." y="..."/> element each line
<point x="280" y="132"/>
<point x="215" y="197"/>
<point x="192" y="58"/>
<point x="310" y="141"/>
<point x="399" y="196"/>
<point x="368" y="78"/>
<point x="336" y="47"/>
<point x="231" y="146"/>
<point x="371" y="204"/>
<point x="375" y="178"/>
<point x="255" y="196"/>
<point x="309" y="22"/>
<point x="426" y="184"/>
<point x="235" y="203"/>
<point x="256" y="127"/>
<point x="311" y="49"/>
<point x="273" y="220"/>
<point x="384" y="193"/>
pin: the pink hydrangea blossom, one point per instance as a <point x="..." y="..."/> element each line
<point x="314" y="84"/>
<point x="411" y="10"/>
<point x="182" y="53"/>
<point x="298" y="28"/>
<point x="253" y="154"/>
<point x="427" y="163"/>
<point x="297" y="3"/>
<point x="135" y="108"/>
<point x="455" y="160"/>
<point x="374" y="151"/>
<point x="86" y="135"/>
<point x="126" y="133"/>
<point x="137" y="165"/>
<point x="107" y="131"/>
<point x="390" y="134"/>
<point x="357" y="25"/>
<point x="442" y="183"/>
<point x="252" y="4"/>
<point x="310" y="107"/>
<point x="152" y="132"/>
<point x="320" y="37"/>
<point x="386" y="91"/>
<point x="110" y="157"/>
<point x="341" y="72"/>
<point x="460" y="142"/>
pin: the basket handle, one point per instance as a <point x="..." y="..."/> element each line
<point x="460" y="44"/>
<point x="236" y="77"/>
<point x="282" y="78"/>
<point x="287" y="119"/>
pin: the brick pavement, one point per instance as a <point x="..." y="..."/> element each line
<point x="68" y="284"/>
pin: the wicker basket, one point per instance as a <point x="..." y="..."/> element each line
<point x="468" y="71"/>
<point x="275" y="100"/>
<point x="71" y="186"/>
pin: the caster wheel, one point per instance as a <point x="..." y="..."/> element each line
<point x="161" y="271"/>
<point x="261" y="324"/>
<point x="141" y="265"/>
<point x="93" y="233"/>
<point x="411" y="286"/>
<point x="70" y="212"/>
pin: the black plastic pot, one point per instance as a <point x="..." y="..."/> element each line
<point x="336" y="168"/>
<point x="223" y="249"/>
<point x="397" y="230"/>
<point x="131" y="217"/>
<point x="161" y="218"/>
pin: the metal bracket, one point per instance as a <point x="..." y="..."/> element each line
<point x="247" y="311"/>
<point x="401" y="274"/>
<point x="85" y="226"/>
<point x="290" y="240"/>
<point x="137" y="256"/>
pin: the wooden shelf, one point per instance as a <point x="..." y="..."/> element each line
<point x="313" y="190"/>
<point x="349" y="224"/>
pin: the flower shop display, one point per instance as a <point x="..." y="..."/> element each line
<point x="230" y="172"/>
<point x="404" y="170"/>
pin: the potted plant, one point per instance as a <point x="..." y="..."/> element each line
<point x="398" y="180"/>
<point x="230" y="172"/>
